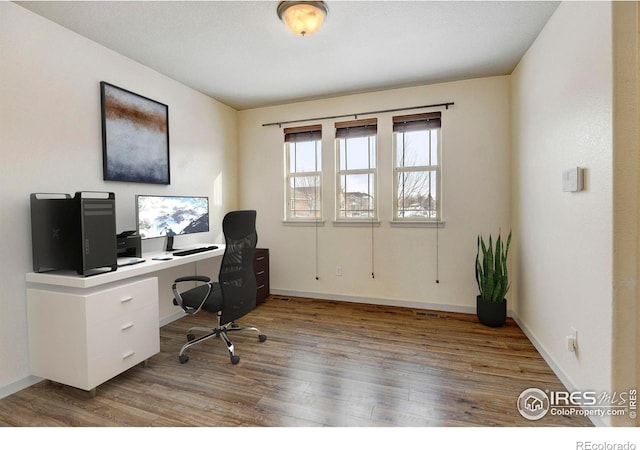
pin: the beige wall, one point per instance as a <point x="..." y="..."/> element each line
<point x="476" y="195"/>
<point x="51" y="142"/>
<point x="562" y="118"/>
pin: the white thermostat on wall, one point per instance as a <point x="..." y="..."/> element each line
<point x="572" y="180"/>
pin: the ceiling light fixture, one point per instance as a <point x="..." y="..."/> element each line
<point x="303" y="18"/>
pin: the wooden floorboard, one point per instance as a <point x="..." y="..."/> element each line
<point x="325" y="363"/>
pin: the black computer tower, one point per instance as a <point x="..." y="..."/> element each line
<point x="74" y="233"/>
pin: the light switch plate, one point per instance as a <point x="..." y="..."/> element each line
<point x="572" y="180"/>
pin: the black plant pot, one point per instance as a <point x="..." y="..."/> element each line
<point x="492" y="314"/>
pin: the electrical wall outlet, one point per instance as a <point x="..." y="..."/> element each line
<point x="338" y="271"/>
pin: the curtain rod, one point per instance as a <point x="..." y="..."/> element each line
<point x="355" y="115"/>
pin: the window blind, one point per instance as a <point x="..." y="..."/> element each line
<point x="356" y="128"/>
<point x="416" y="122"/>
<point x="303" y="134"/>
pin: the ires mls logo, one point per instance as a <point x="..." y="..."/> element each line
<point x="534" y="403"/>
<point x="577" y="398"/>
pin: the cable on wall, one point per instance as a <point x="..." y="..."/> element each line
<point x="292" y="137"/>
<point x="373" y="275"/>
<point x="316" y="231"/>
<point x="355" y="115"/>
<point x="437" y="254"/>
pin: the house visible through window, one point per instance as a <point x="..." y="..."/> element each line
<point x="303" y="156"/>
<point x="356" y="163"/>
<point x="416" y="143"/>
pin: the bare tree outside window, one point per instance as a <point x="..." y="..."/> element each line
<point x="305" y="200"/>
<point x="417" y="169"/>
<point x="356" y="154"/>
<point x="303" y="188"/>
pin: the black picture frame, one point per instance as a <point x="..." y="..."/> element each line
<point x="135" y="137"/>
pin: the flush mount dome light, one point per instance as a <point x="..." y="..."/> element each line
<point x="303" y="18"/>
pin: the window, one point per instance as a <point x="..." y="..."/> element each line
<point x="356" y="156"/>
<point x="416" y="143"/>
<point x="303" y="188"/>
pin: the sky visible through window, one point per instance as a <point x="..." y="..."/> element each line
<point x="304" y="158"/>
<point x="356" y="154"/>
<point x="357" y="157"/>
<point x="413" y="149"/>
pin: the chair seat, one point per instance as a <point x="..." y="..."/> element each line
<point x="193" y="297"/>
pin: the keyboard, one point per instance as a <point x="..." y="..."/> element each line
<point x="193" y="251"/>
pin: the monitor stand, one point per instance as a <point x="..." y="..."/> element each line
<point x="169" y="247"/>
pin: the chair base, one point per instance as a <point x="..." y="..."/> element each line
<point x="219" y="331"/>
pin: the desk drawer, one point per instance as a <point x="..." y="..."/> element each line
<point x="122" y="332"/>
<point x="261" y="271"/>
<point x="119" y="344"/>
<point x="123" y="299"/>
<point x="261" y="257"/>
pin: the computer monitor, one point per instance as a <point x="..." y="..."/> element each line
<point x="169" y="216"/>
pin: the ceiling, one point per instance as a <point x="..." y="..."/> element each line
<point x="240" y="53"/>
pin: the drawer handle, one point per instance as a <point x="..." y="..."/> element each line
<point x="126" y="326"/>
<point x="128" y="354"/>
<point x="261" y="286"/>
<point x="260" y="273"/>
<point x="259" y="258"/>
<point x="126" y="299"/>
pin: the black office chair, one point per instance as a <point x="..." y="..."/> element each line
<point x="234" y="295"/>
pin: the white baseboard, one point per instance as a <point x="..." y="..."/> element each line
<point x="173" y="317"/>
<point x="564" y="378"/>
<point x="380" y="301"/>
<point x="19" y="385"/>
<point x="376" y="301"/>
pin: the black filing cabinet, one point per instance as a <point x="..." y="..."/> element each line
<point x="261" y="269"/>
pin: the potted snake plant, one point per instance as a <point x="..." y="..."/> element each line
<point x="493" y="280"/>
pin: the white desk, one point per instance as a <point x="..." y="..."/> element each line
<point x="85" y="330"/>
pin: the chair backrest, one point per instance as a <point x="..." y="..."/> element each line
<point x="237" y="279"/>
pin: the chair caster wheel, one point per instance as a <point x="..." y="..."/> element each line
<point x="190" y="337"/>
<point x="235" y="359"/>
<point x="183" y="359"/>
<point x="262" y="337"/>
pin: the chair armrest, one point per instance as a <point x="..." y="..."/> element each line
<point x="200" y="278"/>
<point x="177" y="297"/>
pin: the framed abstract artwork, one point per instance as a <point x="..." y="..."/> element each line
<point x="135" y="137"/>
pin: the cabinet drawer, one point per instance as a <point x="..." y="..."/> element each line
<point x="261" y="257"/>
<point x="261" y="267"/>
<point x="262" y="275"/>
<point x="124" y="299"/>
<point x="262" y="291"/>
<point x="122" y="332"/>
<point x="120" y="347"/>
<point x="261" y="271"/>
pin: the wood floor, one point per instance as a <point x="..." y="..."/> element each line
<point x="325" y="363"/>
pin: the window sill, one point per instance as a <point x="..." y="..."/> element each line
<point x="416" y="224"/>
<point x="356" y="223"/>
<point x="303" y="223"/>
